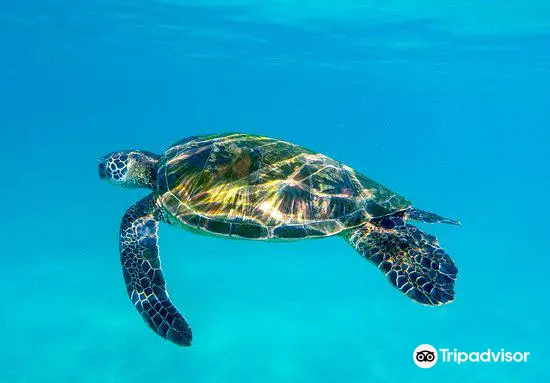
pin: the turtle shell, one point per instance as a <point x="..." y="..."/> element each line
<point x="258" y="187"/>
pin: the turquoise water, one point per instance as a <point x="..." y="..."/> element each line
<point x="447" y="105"/>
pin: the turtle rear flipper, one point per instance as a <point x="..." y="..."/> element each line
<point x="411" y="260"/>
<point x="145" y="283"/>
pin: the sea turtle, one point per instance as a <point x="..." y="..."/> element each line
<point x="253" y="187"/>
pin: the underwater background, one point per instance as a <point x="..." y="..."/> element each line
<point x="446" y="104"/>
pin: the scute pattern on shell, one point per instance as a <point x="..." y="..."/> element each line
<point x="259" y="187"/>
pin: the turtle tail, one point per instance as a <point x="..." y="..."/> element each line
<point x="427" y="217"/>
<point x="412" y="260"/>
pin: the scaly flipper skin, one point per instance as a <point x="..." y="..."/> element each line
<point x="411" y="259"/>
<point x="139" y="254"/>
<point x="427" y="217"/>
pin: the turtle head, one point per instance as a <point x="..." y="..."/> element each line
<point x="129" y="168"/>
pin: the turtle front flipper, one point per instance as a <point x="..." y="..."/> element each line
<point x="139" y="254"/>
<point x="412" y="260"/>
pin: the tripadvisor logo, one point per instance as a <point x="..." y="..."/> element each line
<point x="426" y="356"/>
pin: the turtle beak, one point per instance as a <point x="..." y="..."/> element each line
<point x="102" y="169"/>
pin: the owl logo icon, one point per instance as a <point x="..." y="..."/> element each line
<point x="425" y="356"/>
